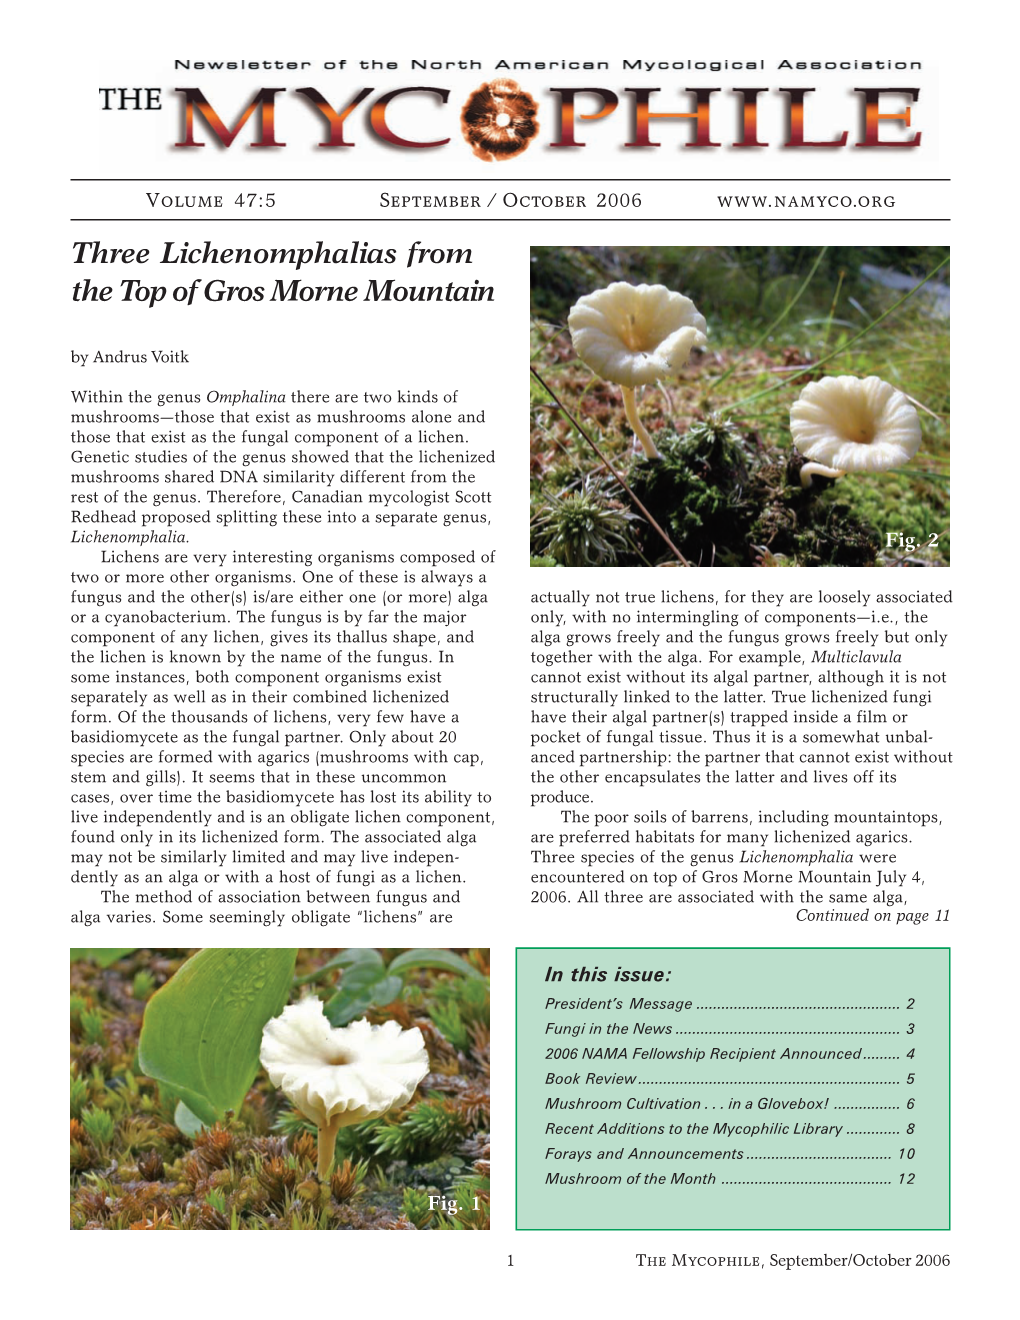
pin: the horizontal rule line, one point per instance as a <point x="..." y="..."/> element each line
<point x="479" y="182"/>
<point x="490" y="219"/>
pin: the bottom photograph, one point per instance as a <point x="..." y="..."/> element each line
<point x="280" y="1089"/>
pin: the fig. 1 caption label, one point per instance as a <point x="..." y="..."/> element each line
<point x="733" y="1089"/>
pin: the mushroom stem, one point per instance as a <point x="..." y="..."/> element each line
<point x="637" y="426"/>
<point x="823" y="471"/>
<point x="327" y="1147"/>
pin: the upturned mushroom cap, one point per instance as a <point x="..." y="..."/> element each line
<point x="855" y="425"/>
<point x="634" y="334"/>
<point x="348" y="1073"/>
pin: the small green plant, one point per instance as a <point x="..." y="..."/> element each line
<point x="449" y="1021"/>
<point x="368" y="981"/>
<point x="416" y="1206"/>
<point x="79" y="1096"/>
<point x="92" y="1027"/>
<point x="471" y="1197"/>
<point x="429" y="1128"/>
<point x="99" y="1125"/>
<point x="584" y="528"/>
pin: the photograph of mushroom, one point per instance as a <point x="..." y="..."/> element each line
<point x="280" y="1089"/>
<point x="740" y="407"/>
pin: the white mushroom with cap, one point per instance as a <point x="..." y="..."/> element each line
<point x="634" y="334"/>
<point x="843" y="424"/>
<point x="338" y="1076"/>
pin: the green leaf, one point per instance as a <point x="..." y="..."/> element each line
<point x="361" y="987"/>
<point x="104" y="957"/>
<point x="342" y="1009"/>
<point x="440" y="958"/>
<point x="388" y="989"/>
<point x="202" y="1031"/>
<point x="187" y="1122"/>
<point x="346" y="958"/>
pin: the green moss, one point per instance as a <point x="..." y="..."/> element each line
<point x="92" y="1027"/>
<point x="833" y="536"/>
<point x="429" y="1128"/>
<point x="697" y="490"/>
<point x="99" y="1125"/>
<point x="416" y="1206"/>
<point x="724" y="498"/>
<point x="900" y="503"/>
<point x="143" y="985"/>
<point x="79" y="1095"/>
<point x="584" y="527"/>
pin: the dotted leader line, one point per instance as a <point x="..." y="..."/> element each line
<point x="796" y="1008"/>
<point x="818" y="1157"/>
<point x="810" y="1182"/>
<point x="786" y="1033"/>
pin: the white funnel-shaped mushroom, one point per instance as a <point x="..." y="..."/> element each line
<point x="337" y="1076"/>
<point x="843" y="424"/>
<point x="635" y="334"/>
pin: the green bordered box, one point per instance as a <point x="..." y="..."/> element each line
<point x="727" y="1088"/>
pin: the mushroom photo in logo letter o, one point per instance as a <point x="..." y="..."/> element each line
<point x="499" y="120"/>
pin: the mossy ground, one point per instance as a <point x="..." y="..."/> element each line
<point x="727" y="488"/>
<point x="131" y="1168"/>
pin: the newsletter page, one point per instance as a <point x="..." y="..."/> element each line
<point x="377" y="365"/>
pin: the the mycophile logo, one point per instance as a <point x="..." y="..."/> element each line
<point x="499" y="120"/>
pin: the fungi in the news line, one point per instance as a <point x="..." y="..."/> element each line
<point x="845" y="424"/>
<point x="635" y="334"/>
<point x="338" y="1076"/>
<point x="499" y="120"/>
